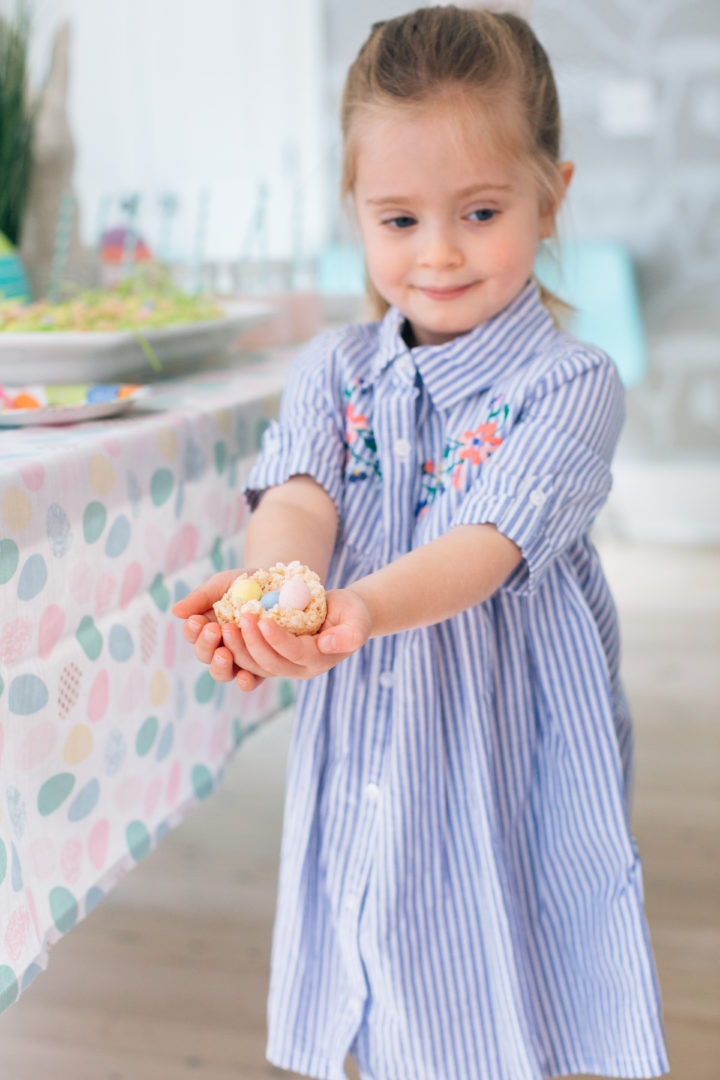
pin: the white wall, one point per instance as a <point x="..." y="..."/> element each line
<point x="192" y="95"/>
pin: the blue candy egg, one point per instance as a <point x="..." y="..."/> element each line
<point x="270" y="599"/>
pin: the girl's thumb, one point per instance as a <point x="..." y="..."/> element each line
<point x="338" y="640"/>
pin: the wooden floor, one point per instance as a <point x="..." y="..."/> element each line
<point x="167" y="978"/>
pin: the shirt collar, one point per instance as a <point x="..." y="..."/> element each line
<point x="474" y="361"/>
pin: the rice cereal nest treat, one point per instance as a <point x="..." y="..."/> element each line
<point x="293" y="595"/>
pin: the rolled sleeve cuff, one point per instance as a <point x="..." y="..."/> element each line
<point x="287" y="452"/>
<point x="536" y="513"/>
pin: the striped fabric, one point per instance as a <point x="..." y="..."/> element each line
<point x="460" y="896"/>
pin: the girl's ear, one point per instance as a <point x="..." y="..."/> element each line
<point x="566" y="169"/>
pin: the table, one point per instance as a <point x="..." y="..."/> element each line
<point x="110" y="731"/>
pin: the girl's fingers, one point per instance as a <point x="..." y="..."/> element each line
<point x="192" y="627"/>
<point x="222" y="666"/>
<point x="201" y="600"/>
<point x="263" y="659"/>
<point x="207" y="641"/>
<point x="298" y="649"/>
<point x="235" y="642"/>
<point x="247" y="681"/>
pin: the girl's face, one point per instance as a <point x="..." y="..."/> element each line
<point x="450" y="229"/>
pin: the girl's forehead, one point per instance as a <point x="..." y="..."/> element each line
<point x="471" y="130"/>
<point x="456" y="138"/>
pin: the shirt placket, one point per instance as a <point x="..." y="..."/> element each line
<point x="394" y="427"/>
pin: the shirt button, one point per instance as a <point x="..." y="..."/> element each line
<point x="402" y="448"/>
<point x="372" y="792"/>
<point x="537" y="497"/>
<point x="386" y="679"/>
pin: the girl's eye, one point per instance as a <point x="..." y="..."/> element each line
<point x="401" y="222"/>
<point x="482" y="215"/>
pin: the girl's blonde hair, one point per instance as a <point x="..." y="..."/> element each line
<point x="448" y="52"/>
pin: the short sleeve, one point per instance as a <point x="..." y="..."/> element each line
<point x="308" y="436"/>
<point x="545" y="484"/>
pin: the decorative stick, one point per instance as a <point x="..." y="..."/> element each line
<point x="63" y="233"/>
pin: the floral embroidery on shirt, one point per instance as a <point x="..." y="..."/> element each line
<point x="472" y="448"/>
<point x="361" y="459"/>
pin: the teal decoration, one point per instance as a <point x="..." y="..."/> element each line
<point x="166" y="742"/>
<point x="16" y="876"/>
<point x="115" y="752"/>
<point x="120" y="643"/>
<point x="16" y="811"/>
<point x="195" y="462"/>
<point x="161" y="830"/>
<point x="85" y="801"/>
<point x="204" y="688"/>
<point x="134" y="493"/>
<point x="118" y="537"/>
<point x="216" y="554"/>
<point x="58" y="531"/>
<point x="13" y="279"/>
<point x="63" y="908"/>
<point x="138" y="840"/>
<point x="8" y="987"/>
<point x="202" y="781"/>
<point x="161" y="486"/>
<point x="181" y="590"/>
<point x="33" y="577"/>
<point x="159" y="592"/>
<point x="89" y="637"/>
<point x="30" y="976"/>
<point x="94" y="519"/>
<point x="93" y="898"/>
<point x="598" y="278"/>
<point x="146" y="736"/>
<point x="27" y="695"/>
<point x="220" y="452"/>
<point x="54" y="792"/>
<point x="179" y="500"/>
<point x="9" y="556"/>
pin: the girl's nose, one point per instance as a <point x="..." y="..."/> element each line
<point x="439" y="249"/>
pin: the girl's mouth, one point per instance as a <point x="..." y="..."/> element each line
<point x="448" y="293"/>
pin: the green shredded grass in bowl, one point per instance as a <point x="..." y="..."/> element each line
<point x="144" y="300"/>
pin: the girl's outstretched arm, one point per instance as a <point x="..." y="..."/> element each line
<point x="440" y="579"/>
<point x="427" y="585"/>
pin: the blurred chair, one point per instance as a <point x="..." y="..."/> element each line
<point x="598" y="278"/>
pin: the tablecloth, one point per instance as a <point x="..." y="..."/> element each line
<point x="109" y="729"/>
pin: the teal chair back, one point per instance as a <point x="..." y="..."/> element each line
<point x="598" y="278"/>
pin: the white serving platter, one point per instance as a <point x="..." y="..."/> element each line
<point x="102" y="355"/>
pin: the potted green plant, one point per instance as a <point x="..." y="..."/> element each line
<point x="17" y="120"/>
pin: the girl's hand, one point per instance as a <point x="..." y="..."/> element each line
<point x="201" y="628"/>
<point x="261" y="648"/>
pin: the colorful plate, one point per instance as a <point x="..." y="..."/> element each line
<point x="71" y="413"/>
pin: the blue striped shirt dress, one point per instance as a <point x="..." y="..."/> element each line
<point x="460" y="896"/>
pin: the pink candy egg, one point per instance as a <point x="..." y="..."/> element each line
<point x="294" y="594"/>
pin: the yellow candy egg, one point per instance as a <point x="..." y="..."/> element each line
<point x="245" y="589"/>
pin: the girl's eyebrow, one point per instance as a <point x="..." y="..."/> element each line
<point x="464" y="193"/>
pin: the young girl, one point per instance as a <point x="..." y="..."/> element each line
<point x="460" y="896"/>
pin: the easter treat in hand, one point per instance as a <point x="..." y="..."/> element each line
<point x="292" y="595"/>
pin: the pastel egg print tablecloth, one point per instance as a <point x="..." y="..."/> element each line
<point x="110" y="730"/>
